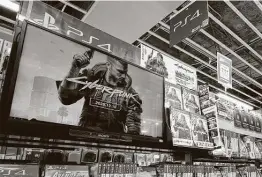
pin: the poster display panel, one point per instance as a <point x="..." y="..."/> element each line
<point x="12" y="170"/>
<point x="180" y="123"/>
<point x="173" y="96"/>
<point x="174" y="71"/>
<point x="73" y="85"/>
<point x="191" y="101"/>
<point x="200" y="131"/>
<point x="66" y="170"/>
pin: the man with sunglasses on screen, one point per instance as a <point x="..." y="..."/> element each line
<point x="111" y="104"/>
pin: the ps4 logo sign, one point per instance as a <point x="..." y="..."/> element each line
<point x="49" y="22"/>
<point x="187" y="20"/>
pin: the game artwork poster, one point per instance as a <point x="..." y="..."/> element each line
<point x="180" y="123"/>
<point x="19" y="170"/>
<point x="243" y="152"/>
<point x="66" y="170"/>
<point x="200" y="131"/>
<point x="249" y="143"/>
<point x="173" y="70"/>
<point x="71" y="84"/>
<point x="191" y="101"/>
<point x="173" y="96"/>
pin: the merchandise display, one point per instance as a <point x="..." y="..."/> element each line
<point x="78" y="102"/>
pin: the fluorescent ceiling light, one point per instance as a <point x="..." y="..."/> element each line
<point x="233" y="100"/>
<point x="9" y="5"/>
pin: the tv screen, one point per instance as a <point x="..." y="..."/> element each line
<point x="66" y="170"/>
<point x="12" y="170"/>
<point x="60" y="81"/>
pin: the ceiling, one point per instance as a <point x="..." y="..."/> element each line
<point x="234" y="30"/>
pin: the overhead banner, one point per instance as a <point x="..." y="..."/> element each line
<point x="224" y="70"/>
<point x="174" y="71"/>
<point x="188" y="21"/>
<point x="65" y="24"/>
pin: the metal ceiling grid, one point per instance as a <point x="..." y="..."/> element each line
<point x="243" y="51"/>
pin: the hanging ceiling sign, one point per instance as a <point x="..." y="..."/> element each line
<point x="224" y="70"/>
<point x="188" y="21"/>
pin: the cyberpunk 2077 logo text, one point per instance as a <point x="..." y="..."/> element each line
<point x="70" y="174"/>
<point x="102" y="88"/>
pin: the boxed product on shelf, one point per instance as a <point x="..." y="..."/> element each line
<point x="249" y="143"/>
<point x="252" y="122"/>
<point x="106" y="155"/>
<point x="257" y="152"/>
<point x="122" y="157"/>
<point x="74" y="156"/>
<point x="140" y="159"/>
<point x="244" y="119"/>
<point x="190" y="101"/>
<point x="243" y="151"/>
<point x="146" y="172"/>
<point x="89" y="155"/>
<point x="200" y="131"/>
<point x="237" y="117"/>
<point x="258" y="124"/>
<point x="180" y="123"/>
<point x="173" y="96"/>
<point x="33" y="154"/>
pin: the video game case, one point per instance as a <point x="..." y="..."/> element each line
<point x="105" y="155"/>
<point x="108" y="168"/>
<point x="111" y="169"/>
<point x="99" y="170"/>
<point x="116" y="170"/>
<point x="89" y="155"/>
<point x="103" y="170"/>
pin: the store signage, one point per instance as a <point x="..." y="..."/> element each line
<point x="65" y="24"/>
<point x="224" y="70"/>
<point x="18" y="170"/>
<point x="188" y="21"/>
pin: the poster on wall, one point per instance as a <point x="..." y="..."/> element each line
<point x="174" y="71"/>
<point x="200" y="131"/>
<point x="64" y="170"/>
<point x="19" y="170"/>
<point x="173" y="96"/>
<point x="180" y="123"/>
<point x="73" y="85"/>
<point x="53" y="19"/>
<point x="191" y="101"/>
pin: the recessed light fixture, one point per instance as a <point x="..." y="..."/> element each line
<point x="10" y="5"/>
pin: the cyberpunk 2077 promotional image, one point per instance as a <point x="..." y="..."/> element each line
<point x="63" y="82"/>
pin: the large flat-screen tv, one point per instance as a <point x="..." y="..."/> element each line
<point x="56" y="80"/>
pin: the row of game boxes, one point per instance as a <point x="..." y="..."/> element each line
<point x="109" y="169"/>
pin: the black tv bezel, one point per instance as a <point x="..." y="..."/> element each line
<point x="23" y="127"/>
